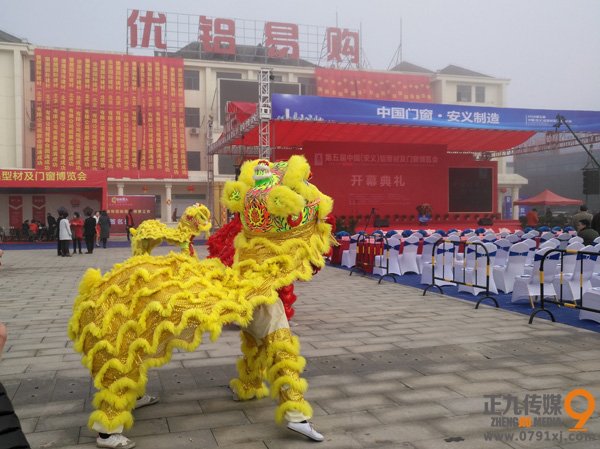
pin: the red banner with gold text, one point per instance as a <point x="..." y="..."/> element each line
<point x="373" y="85"/>
<point x="119" y="113"/>
<point x="15" y="211"/>
<point x="38" y="208"/>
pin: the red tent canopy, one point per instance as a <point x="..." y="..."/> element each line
<point x="548" y="198"/>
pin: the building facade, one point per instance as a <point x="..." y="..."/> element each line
<point x="209" y="83"/>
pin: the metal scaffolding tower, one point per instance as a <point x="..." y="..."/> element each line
<point x="264" y="113"/>
<point x="262" y="118"/>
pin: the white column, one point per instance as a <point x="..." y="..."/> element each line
<point x="120" y="189"/>
<point x="515" y="197"/>
<point x="168" y="200"/>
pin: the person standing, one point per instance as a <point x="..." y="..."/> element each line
<point x="596" y="222"/>
<point x="583" y="214"/>
<point x="129" y="223"/>
<point x="51" y="226"/>
<point x="532" y="218"/>
<point x="77" y="231"/>
<point x="65" y="235"/>
<point x="60" y="218"/>
<point x="89" y="231"/>
<point x="104" y="223"/>
<point x="97" y="218"/>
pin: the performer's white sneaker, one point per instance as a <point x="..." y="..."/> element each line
<point x="305" y="428"/>
<point x="115" y="441"/>
<point x="145" y="400"/>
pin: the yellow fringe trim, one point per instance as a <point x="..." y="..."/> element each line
<point x="302" y="406"/>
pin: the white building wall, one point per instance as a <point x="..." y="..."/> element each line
<point x="11" y="105"/>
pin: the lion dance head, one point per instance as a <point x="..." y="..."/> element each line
<point x="279" y="207"/>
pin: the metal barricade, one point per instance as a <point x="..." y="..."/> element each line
<point x="384" y="262"/>
<point x="367" y="247"/>
<point x="575" y="303"/>
<point x="443" y="272"/>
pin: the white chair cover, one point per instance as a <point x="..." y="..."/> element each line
<point x="425" y="255"/>
<point x="580" y="277"/>
<point x="444" y="259"/>
<point x="391" y="253"/>
<point x="475" y="272"/>
<point x="591" y="299"/>
<point x="503" y="246"/>
<point x="527" y="286"/>
<point x="349" y="255"/>
<point x="513" y="238"/>
<point x="564" y="240"/>
<point x="408" y="258"/>
<point x="504" y="275"/>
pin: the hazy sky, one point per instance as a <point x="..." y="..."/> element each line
<point x="549" y="49"/>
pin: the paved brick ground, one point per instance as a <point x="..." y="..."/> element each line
<point x="387" y="368"/>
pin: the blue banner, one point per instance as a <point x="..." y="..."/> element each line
<point x="349" y="110"/>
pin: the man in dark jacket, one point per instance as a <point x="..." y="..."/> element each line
<point x="52" y="227"/>
<point x="585" y="231"/>
<point x="129" y="223"/>
<point x="89" y="230"/>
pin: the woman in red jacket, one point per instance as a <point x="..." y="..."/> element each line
<point x="77" y="230"/>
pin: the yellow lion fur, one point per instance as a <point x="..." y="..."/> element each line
<point x="131" y="318"/>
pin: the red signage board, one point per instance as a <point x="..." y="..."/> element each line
<point x="25" y="178"/>
<point x="38" y="208"/>
<point x="143" y="206"/>
<point x="373" y="85"/>
<point x="391" y="178"/>
<point x="15" y="211"/>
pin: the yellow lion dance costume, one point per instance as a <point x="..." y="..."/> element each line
<point x="130" y="319"/>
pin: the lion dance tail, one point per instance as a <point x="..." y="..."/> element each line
<point x="129" y="320"/>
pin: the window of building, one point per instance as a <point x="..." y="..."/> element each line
<point x="510" y="167"/>
<point x="463" y="93"/>
<point x="192" y="117"/>
<point x="229" y="75"/>
<point x="308" y="85"/>
<point x="32" y="70"/>
<point x="480" y="94"/>
<point x="33" y="157"/>
<point x="226" y="165"/>
<point x="191" y="80"/>
<point x="32" y="111"/>
<point x="277" y="78"/>
<point x="193" y="160"/>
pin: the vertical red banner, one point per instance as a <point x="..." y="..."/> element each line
<point x="118" y="122"/>
<point x="95" y="112"/>
<point x="158" y="89"/>
<point x="180" y="164"/>
<point x="133" y="120"/>
<point x="15" y="211"/>
<point x="38" y="208"/>
<point x="126" y="118"/>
